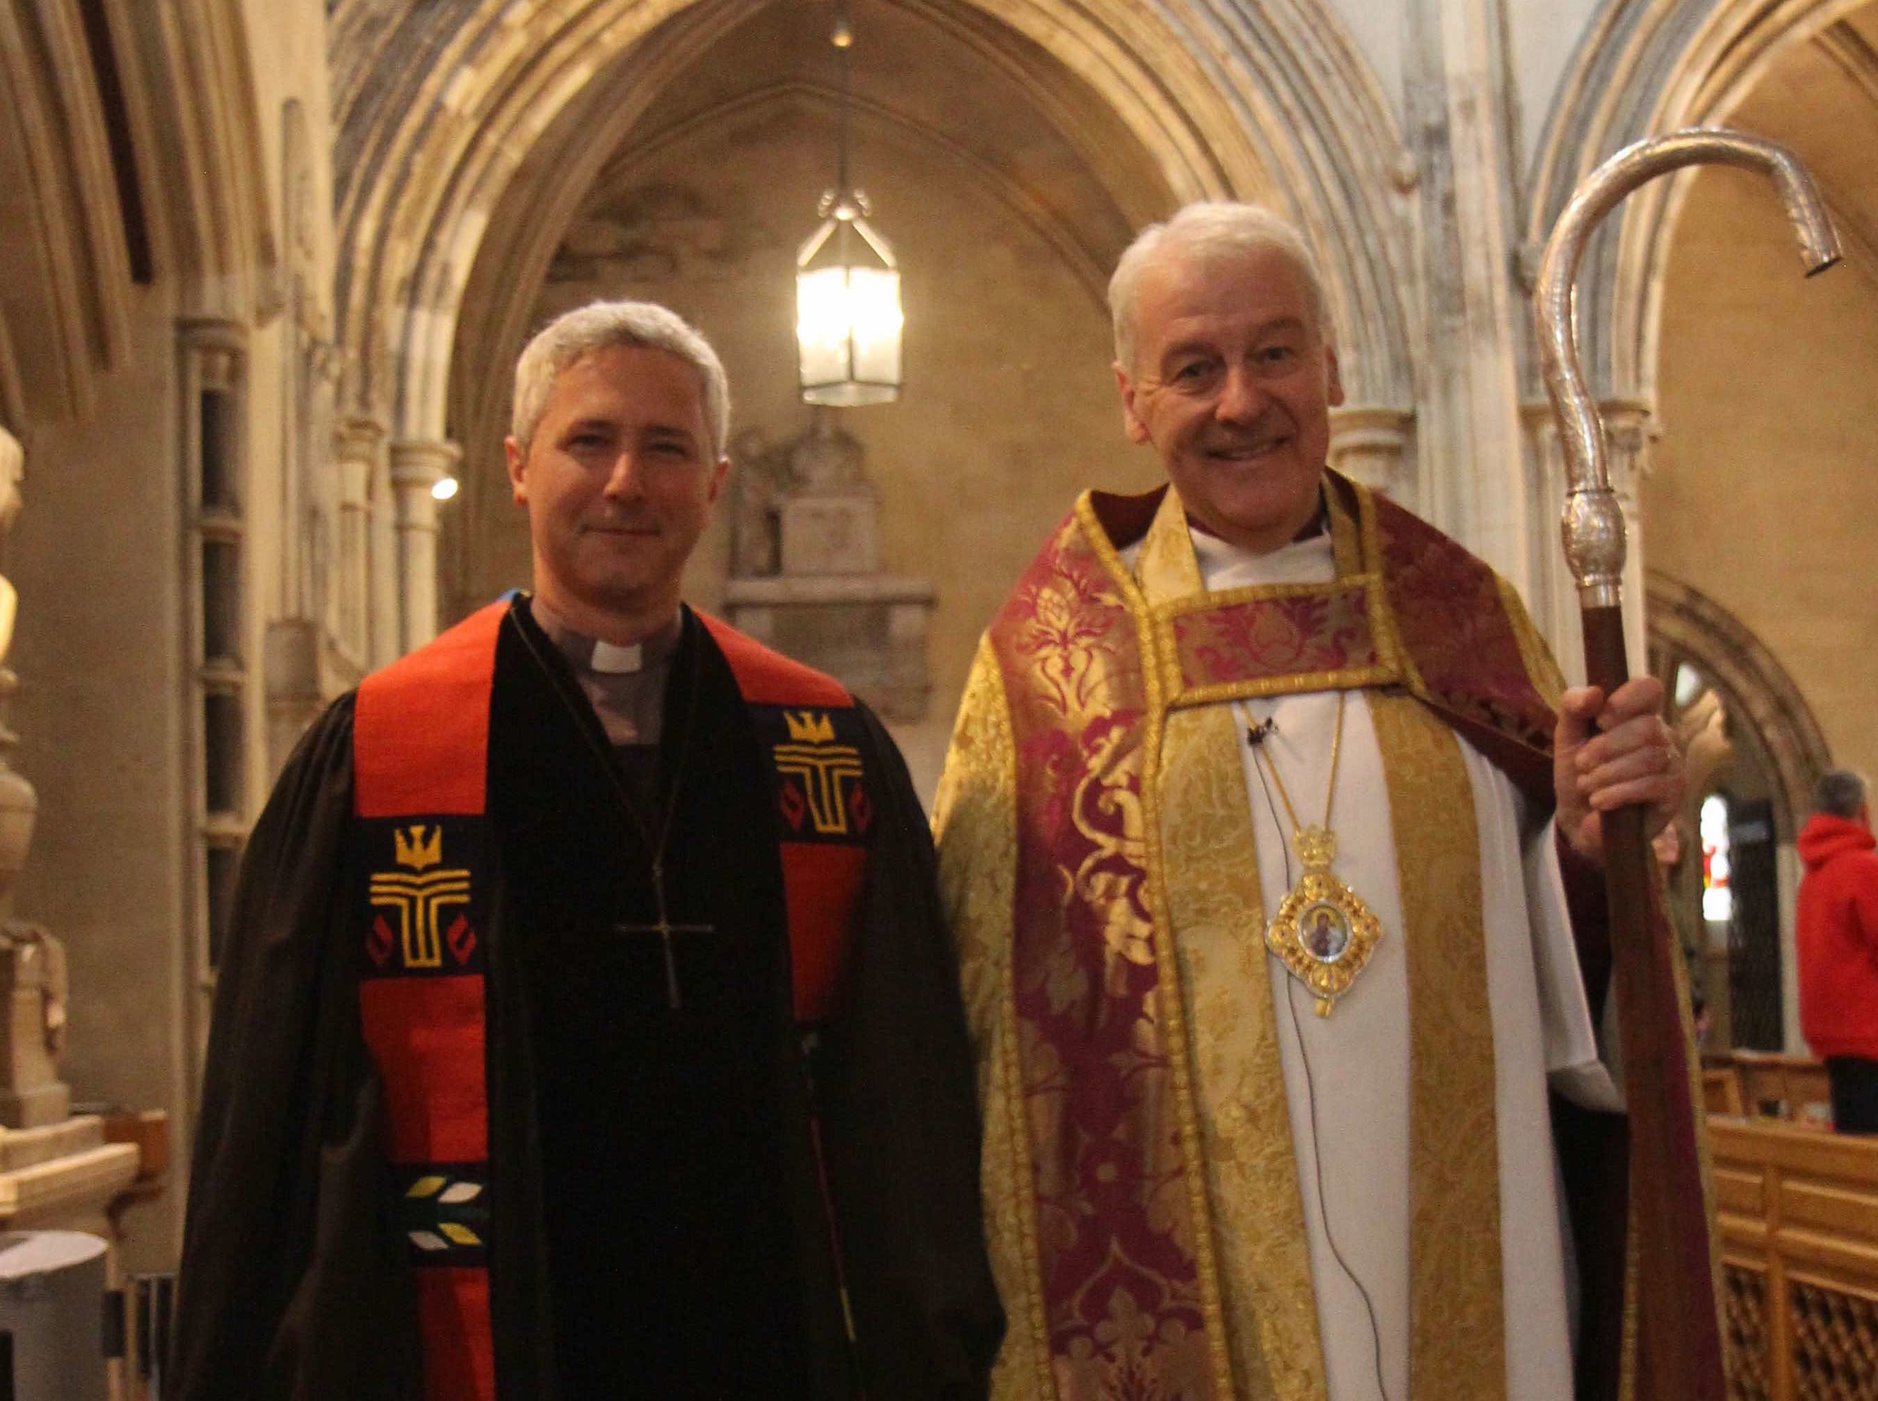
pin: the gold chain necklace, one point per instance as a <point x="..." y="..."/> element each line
<point x="1323" y="932"/>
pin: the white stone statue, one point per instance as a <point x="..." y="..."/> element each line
<point x="33" y="989"/>
<point x="19" y="805"/>
<point x="12" y="469"/>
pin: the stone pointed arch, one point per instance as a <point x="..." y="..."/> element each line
<point x="517" y="250"/>
<point x="130" y="149"/>
<point x="440" y="110"/>
<point x="1642" y="70"/>
<point x="210" y="180"/>
<point x="438" y="107"/>
<point x="63" y="311"/>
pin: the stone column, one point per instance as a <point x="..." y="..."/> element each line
<point x="358" y="443"/>
<point x="1467" y="425"/>
<point x="416" y="467"/>
<point x="1370" y="445"/>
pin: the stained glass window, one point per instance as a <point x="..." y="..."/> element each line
<point x="1718" y="901"/>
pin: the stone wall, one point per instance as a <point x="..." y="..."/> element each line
<point x="100" y="719"/>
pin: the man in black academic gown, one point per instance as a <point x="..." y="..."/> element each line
<point x="588" y="1028"/>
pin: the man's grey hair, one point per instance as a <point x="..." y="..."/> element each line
<point x="1841" y="793"/>
<point x="1210" y="231"/>
<point x="602" y="326"/>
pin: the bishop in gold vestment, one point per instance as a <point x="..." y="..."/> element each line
<point x="1267" y="856"/>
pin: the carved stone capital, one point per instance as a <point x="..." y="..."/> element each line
<point x="1629" y="429"/>
<point x="359" y="439"/>
<point x="219" y="348"/>
<point x="419" y="464"/>
<point x="1369" y="443"/>
<point x="416" y="465"/>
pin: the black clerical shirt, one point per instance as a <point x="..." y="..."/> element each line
<point x="670" y="1246"/>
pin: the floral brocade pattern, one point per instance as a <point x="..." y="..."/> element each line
<point x="1458" y="1346"/>
<point x="1114" y="1235"/>
<point x="975" y="828"/>
<point x="1257" y="1213"/>
<point x="1318" y="631"/>
<point x="1145" y="1224"/>
<point x="1453" y="616"/>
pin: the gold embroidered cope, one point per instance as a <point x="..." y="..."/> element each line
<point x="1239" y="1213"/>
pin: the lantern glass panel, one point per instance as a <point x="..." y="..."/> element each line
<point x="848" y="324"/>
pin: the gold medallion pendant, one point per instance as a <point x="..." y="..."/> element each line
<point x="1323" y="932"/>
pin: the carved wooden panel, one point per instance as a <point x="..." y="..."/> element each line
<point x="1797" y="1210"/>
<point x="1744" y="1333"/>
<point x="1835" y="1344"/>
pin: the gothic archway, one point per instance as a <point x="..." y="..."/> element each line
<point x="444" y="113"/>
<point x="1764" y="705"/>
<point x="131" y="152"/>
<point x="1753" y="788"/>
<point x="439" y="110"/>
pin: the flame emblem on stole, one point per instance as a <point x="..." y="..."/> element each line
<point x="418" y="895"/>
<point x="823" y="767"/>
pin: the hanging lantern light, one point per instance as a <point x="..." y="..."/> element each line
<point x="848" y="318"/>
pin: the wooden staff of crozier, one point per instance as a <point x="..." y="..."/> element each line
<point x="1677" y="1353"/>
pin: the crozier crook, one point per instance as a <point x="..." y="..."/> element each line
<point x="1678" y="1338"/>
<point x="1593" y="525"/>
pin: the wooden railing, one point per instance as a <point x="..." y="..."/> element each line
<point x="1798" y="1213"/>
<point x="1779" y="1086"/>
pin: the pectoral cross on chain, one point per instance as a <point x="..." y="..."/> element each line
<point x="664" y="928"/>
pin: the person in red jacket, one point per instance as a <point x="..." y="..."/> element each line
<point x="1838" y="945"/>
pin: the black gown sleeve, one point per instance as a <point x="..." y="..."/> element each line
<point x="290" y="1284"/>
<point x="901" y="1119"/>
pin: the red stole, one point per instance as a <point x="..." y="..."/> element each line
<point x="420" y="780"/>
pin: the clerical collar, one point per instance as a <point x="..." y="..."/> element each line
<point x="602" y="658"/>
<point x="1224" y="565"/>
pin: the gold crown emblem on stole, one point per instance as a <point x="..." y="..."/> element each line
<point x="419" y="849"/>
<point x="806" y="727"/>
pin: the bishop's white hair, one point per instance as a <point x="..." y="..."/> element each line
<point x="1209" y="230"/>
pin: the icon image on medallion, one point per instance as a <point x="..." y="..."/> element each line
<point x="1324" y="932"/>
